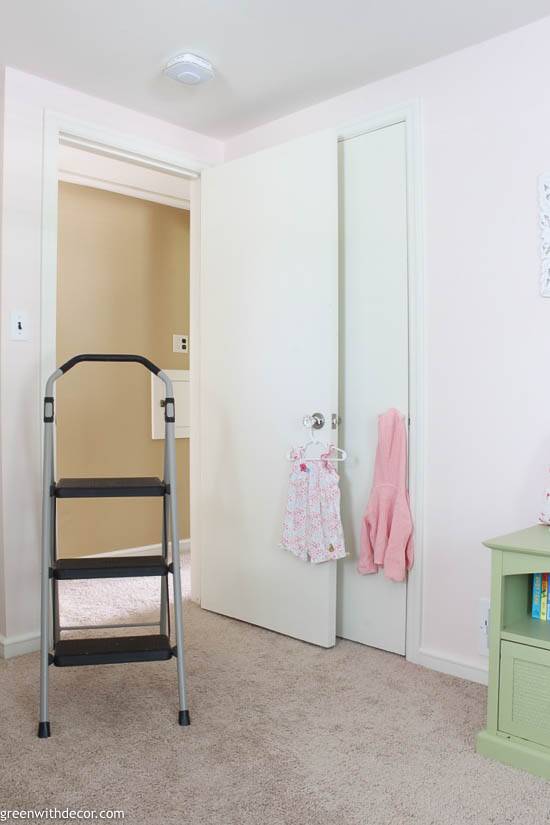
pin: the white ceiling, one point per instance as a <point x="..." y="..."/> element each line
<point x="272" y="57"/>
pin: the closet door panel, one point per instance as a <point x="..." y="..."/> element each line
<point x="373" y="360"/>
<point x="269" y="356"/>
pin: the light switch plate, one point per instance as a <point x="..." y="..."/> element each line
<point x="19" y="326"/>
<point x="180" y="343"/>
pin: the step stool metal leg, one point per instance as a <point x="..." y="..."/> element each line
<point x="170" y="463"/>
<point x="183" y="717"/>
<point x="44" y="724"/>
<point x="54" y="582"/>
<point x="48" y="505"/>
<point x="164" y="622"/>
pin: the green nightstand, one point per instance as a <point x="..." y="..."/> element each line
<point x="518" y="702"/>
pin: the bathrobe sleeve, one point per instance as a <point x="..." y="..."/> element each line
<point x="386" y="534"/>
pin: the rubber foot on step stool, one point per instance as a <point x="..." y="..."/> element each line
<point x="44" y="730"/>
<point x="184" y="719"/>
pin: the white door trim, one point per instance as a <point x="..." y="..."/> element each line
<point x="195" y="329"/>
<point x="410" y="115"/>
<point x="142" y="152"/>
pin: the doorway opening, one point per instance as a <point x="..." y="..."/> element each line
<point x="137" y="154"/>
<point x="121" y="283"/>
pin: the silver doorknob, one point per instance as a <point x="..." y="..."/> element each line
<point x="315" y="421"/>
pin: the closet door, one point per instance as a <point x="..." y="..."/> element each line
<point x="269" y="356"/>
<point x="374" y="355"/>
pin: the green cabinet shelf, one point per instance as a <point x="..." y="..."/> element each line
<point x="528" y="631"/>
<point x="518" y="704"/>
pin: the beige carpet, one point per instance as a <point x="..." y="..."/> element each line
<point x="282" y="733"/>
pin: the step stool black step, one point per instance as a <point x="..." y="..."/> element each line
<point x="111" y="651"/>
<point x="109" y="487"/>
<point x="110" y="567"/>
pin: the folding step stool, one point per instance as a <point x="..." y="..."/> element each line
<point x="120" y="649"/>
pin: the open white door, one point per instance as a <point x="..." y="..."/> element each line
<point x="269" y="356"/>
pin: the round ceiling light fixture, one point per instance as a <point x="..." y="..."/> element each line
<point x="189" y="69"/>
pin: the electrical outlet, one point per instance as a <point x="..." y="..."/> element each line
<point x="484" y="619"/>
<point x="180" y="343"/>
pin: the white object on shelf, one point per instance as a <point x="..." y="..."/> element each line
<point x="182" y="395"/>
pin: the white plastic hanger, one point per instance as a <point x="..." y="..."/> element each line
<point x="330" y="448"/>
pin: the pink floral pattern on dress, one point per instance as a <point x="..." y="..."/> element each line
<point x="312" y="528"/>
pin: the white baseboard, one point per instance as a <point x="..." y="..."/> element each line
<point x="28" y="643"/>
<point x="146" y="550"/>
<point x="435" y="660"/>
<point x="11" y="646"/>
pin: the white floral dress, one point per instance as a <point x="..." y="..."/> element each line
<point x="312" y="527"/>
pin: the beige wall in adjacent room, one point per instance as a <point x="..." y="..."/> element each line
<point x="123" y="286"/>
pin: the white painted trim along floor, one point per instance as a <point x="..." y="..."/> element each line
<point x="146" y="550"/>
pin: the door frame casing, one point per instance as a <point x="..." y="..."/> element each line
<point x="55" y="127"/>
<point x="410" y="115"/>
<point x="111" y="185"/>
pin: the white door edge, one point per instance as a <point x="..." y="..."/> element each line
<point x="410" y="114"/>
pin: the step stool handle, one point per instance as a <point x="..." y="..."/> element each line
<point x="116" y="357"/>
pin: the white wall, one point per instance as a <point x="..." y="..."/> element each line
<point x="486" y="118"/>
<point x="26" y="98"/>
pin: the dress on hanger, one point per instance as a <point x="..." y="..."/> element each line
<point x="312" y="528"/>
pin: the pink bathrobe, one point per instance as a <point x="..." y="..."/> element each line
<point x="386" y="533"/>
